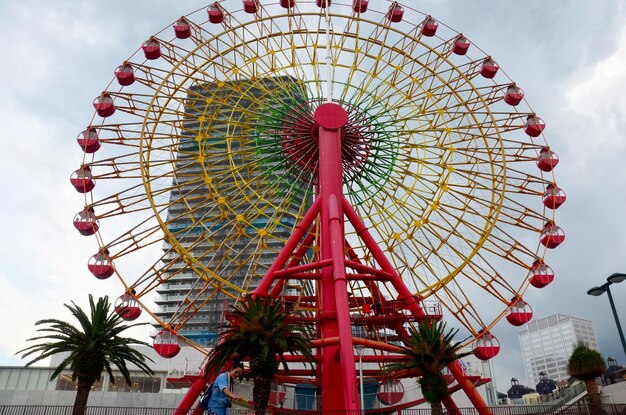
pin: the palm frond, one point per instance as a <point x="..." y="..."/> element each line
<point x="259" y="329"/>
<point x="94" y="346"/>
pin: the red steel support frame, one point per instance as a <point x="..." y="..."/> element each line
<point x="335" y="359"/>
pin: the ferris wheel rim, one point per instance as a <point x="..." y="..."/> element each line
<point x="213" y="278"/>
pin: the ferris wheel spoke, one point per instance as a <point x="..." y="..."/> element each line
<point x="465" y="313"/>
<point x="502" y="244"/>
<point x="145" y="234"/>
<point x="499" y="288"/>
<point x="516" y="214"/>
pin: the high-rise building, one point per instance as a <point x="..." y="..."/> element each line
<point x="547" y="344"/>
<point x="217" y="118"/>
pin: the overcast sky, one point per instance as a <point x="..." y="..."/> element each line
<point x="569" y="56"/>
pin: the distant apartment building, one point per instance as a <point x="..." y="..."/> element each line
<point x="547" y="344"/>
<point x="192" y="213"/>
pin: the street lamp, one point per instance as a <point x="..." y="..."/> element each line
<point x="359" y="350"/>
<point x="597" y="291"/>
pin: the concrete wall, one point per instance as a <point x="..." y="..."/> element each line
<point x="110" y="399"/>
<point x="615" y="393"/>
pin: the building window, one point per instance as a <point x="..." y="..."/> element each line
<point x="65" y="383"/>
<point x="141" y="384"/>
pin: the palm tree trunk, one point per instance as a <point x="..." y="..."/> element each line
<point x="594" y="397"/>
<point x="261" y="394"/>
<point x="82" y="395"/>
<point x="592" y="389"/>
<point x="436" y="408"/>
<point x="595" y="407"/>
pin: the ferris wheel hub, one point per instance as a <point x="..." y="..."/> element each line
<point x="300" y="134"/>
<point x="330" y="115"/>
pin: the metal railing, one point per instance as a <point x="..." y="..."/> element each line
<point x="558" y="399"/>
<point x="577" y="409"/>
<point x="90" y="410"/>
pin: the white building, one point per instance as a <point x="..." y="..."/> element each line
<point x="32" y="385"/>
<point x="547" y="344"/>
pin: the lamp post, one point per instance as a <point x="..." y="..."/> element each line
<point x="597" y="291"/>
<point x="359" y="350"/>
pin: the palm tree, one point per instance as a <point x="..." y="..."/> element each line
<point x="429" y="349"/>
<point x="587" y="364"/>
<point x="260" y="328"/>
<point x="92" y="348"/>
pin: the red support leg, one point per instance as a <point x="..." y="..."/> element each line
<point x="190" y="397"/>
<point x="469" y="388"/>
<point x="451" y="406"/>
<point x="289" y="247"/>
<point x="337" y="362"/>
<point x="295" y="260"/>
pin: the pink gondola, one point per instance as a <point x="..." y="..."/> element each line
<point x="360" y="6"/>
<point x="553" y="197"/>
<point x="151" y="49"/>
<point x="166" y="344"/>
<point x="127" y="307"/>
<point x="124" y="74"/>
<point x="182" y="28"/>
<point x="513" y="95"/>
<point x="88" y="140"/>
<point x="82" y="180"/>
<point x="250" y="6"/>
<point x="216" y="13"/>
<point x="552" y="236"/>
<point x="395" y="12"/>
<point x="547" y="159"/>
<point x="101" y="265"/>
<point x="86" y="222"/>
<point x="489" y="68"/>
<point x="277" y="396"/>
<point x="430" y="27"/>
<point x="390" y="392"/>
<point x="449" y="377"/>
<point x="486" y="346"/>
<point x="461" y="45"/>
<point x="104" y="105"/>
<point x="540" y="274"/>
<point x="534" y="126"/>
<point x="520" y="313"/>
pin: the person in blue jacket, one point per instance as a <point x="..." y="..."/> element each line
<point x="220" y="401"/>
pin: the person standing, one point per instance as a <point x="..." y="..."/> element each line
<point x="223" y="395"/>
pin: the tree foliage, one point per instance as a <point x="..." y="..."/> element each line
<point x="585" y="363"/>
<point x="259" y="328"/>
<point x="92" y="347"/>
<point x="429" y="349"/>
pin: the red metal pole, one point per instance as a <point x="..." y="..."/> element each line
<point x="377" y="253"/>
<point x="469" y="388"/>
<point x="289" y="247"/>
<point x="338" y="372"/>
<point x="295" y="260"/>
<point x="190" y="397"/>
<point x="451" y="406"/>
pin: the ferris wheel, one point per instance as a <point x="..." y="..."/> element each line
<point x="203" y="156"/>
